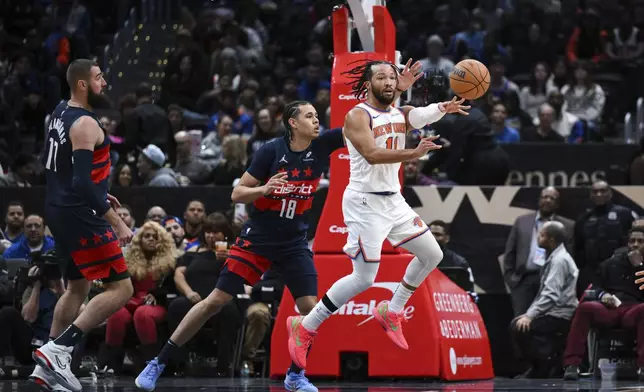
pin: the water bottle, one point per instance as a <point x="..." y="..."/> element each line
<point x="245" y="370"/>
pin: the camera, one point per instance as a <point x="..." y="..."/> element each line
<point x="48" y="268"/>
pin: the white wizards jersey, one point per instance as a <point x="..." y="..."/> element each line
<point x="389" y="130"/>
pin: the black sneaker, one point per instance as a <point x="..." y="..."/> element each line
<point x="640" y="374"/>
<point x="571" y="373"/>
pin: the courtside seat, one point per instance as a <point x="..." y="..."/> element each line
<point x="615" y="345"/>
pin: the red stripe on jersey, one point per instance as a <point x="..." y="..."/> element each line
<point x="101" y="164"/>
<point x="301" y="191"/>
<point x="96" y="254"/>
<point x="266" y="204"/>
<point x="100" y="173"/>
<point x="101" y="155"/>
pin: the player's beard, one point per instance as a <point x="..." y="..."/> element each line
<point x="380" y="97"/>
<point x="97" y="101"/>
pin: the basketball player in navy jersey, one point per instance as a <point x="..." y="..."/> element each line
<point x="88" y="231"/>
<point x="279" y="186"/>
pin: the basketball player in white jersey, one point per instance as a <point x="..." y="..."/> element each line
<point x="373" y="207"/>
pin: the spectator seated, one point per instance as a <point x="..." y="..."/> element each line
<point x="614" y="302"/>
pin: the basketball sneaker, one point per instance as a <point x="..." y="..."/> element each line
<point x="56" y="360"/>
<point x="299" y="340"/>
<point x="147" y="380"/>
<point x="45" y="381"/>
<point x="297" y="382"/>
<point x="392" y="323"/>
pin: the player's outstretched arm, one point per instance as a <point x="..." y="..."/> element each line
<point x="85" y="134"/>
<point x="248" y="190"/>
<point x="356" y="130"/>
<point x="417" y="118"/>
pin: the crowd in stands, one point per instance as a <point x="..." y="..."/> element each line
<point x="174" y="262"/>
<point x="559" y="74"/>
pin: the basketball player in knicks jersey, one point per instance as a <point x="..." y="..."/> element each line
<point x="373" y="207"/>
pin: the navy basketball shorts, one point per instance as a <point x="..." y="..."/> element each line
<point x="86" y="245"/>
<point x="247" y="265"/>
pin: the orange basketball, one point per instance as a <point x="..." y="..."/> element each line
<point x="469" y="79"/>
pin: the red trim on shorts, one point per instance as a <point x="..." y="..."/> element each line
<point x="98" y="262"/>
<point x="425" y="230"/>
<point x="103" y="271"/>
<point x="248" y="265"/>
<point x="97" y="254"/>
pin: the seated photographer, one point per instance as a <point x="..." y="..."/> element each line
<point x="613" y="301"/>
<point x="267" y="291"/>
<point x="22" y="331"/>
<point x="151" y="258"/>
<point x="196" y="276"/>
<point x="34" y="240"/>
<point x="535" y="332"/>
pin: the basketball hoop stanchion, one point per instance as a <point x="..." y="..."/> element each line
<point x="446" y="334"/>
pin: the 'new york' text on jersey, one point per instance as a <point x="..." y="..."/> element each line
<point x="389" y="130"/>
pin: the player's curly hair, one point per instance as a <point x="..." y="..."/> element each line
<point x="163" y="260"/>
<point x="362" y="73"/>
<point x="292" y="110"/>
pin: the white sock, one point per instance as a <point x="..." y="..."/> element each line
<point x="316" y="317"/>
<point x="400" y="298"/>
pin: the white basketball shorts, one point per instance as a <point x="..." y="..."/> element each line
<point x="371" y="219"/>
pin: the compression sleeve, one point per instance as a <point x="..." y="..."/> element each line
<point x="419" y="117"/>
<point x="83" y="185"/>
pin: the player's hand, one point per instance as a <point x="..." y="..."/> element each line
<point x="194" y="297"/>
<point x="124" y="234"/>
<point x="640" y="281"/>
<point x="275" y="182"/>
<point x="427" y="144"/>
<point x="409" y="75"/>
<point x="454" y="106"/>
<point x="114" y="202"/>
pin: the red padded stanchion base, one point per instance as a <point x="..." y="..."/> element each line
<point x="436" y="339"/>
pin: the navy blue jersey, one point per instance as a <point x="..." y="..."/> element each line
<point x="58" y="159"/>
<point x="282" y="216"/>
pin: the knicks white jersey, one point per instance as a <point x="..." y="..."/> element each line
<point x="389" y="130"/>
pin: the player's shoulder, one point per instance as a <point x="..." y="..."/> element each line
<point x="358" y="114"/>
<point x="85" y="125"/>
<point x="270" y="148"/>
<point x="272" y="145"/>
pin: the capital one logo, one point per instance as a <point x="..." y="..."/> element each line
<point x="344" y="156"/>
<point x="344" y="97"/>
<point x="353" y="308"/>
<point x="338" y="229"/>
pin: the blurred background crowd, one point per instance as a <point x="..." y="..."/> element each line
<point x="192" y="98"/>
<point x="559" y="74"/>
